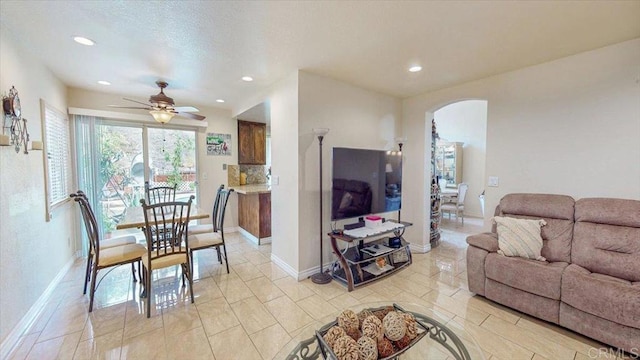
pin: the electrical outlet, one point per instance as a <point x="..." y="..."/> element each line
<point x="204" y="176"/>
<point x="493" y="181"/>
<point x="224" y="166"/>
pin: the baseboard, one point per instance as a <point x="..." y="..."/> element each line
<point x="10" y="342"/>
<point x="420" y="249"/>
<point x="253" y="238"/>
<point x="284" y="266"/>
<point x="314" y="270"/>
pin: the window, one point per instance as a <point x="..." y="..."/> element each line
<point x="58" y="156"/>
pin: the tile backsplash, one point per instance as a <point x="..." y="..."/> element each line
<point x="256" y="174"/>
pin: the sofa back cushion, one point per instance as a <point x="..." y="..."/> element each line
<point x="607" y="237"/>
<point x="556" y="210"/>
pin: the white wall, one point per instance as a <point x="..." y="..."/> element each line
<point x="466" y="121"/>
<point x="210" y="172"/>
<point x="285" y="214"/>
<point x="32" y="251"/>
<point x="569" y="126"/>
<point x="357" y="118"/>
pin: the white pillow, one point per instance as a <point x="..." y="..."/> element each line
<point x="520" y="237"/>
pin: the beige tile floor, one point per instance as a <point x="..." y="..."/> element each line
<point x="255" y="311"/>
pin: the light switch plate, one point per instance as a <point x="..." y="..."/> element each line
<point x="224" y="166"/>
<point x="493" y="181"/>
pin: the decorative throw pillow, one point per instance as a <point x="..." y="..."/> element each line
<point x="346" y="200"/>
<point x="520" y="237"/>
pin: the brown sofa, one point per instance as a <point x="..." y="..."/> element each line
<point x="590" y="281"/>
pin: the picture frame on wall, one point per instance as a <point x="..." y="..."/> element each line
<point x="218" y="144"/>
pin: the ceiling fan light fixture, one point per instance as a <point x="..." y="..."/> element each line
<point x="161" y="116"/>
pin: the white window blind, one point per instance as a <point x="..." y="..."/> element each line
<point x="58" y="156"/>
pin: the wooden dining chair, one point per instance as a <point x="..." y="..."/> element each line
<point x="214" y="238"/>
<point x="102" y="258"/>
<point x="159" y="194"/>
<point x="104" y="244"/>
<point x="166" y="226"/>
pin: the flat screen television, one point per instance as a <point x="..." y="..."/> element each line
<point x="365" y="182"/>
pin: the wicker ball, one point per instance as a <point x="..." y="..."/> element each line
<point x="363" y="315"/>
<point x="354" y="333"/>
<point x="368" y="348"/>
<point x="333" y="334"/>
<point x="402" y="343"/>
<point x="379" y="314"/>
<point x="394" y="327"/>
<point x="372" y="327"/>
<point x="411" y="324"/>
<point x="385" y="348"/>
<point x="346" y="348"/>
<point x="348" y="319"/>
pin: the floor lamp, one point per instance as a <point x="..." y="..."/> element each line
<point x="321" y="277"/>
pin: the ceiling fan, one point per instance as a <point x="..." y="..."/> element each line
<point x="162" y="107"/>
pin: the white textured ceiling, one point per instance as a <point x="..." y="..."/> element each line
<point x="203" y="48"/>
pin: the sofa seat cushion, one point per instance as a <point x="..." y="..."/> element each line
<point x="536" y="277"/>
<point x="601" y="295"/>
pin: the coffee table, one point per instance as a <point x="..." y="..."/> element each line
<point x="444" y="338"/>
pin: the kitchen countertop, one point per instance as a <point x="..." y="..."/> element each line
<point x="252" y="189"/>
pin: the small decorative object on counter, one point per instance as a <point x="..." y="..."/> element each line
<point x="381" y="262"/>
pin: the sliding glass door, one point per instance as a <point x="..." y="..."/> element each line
<point x="172" y="160"/>
<point x="116" y="158"/>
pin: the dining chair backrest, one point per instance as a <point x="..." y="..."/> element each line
<point x="166" y="226"/>
<point x="159" y="194"/>
<point x="90" y="222"/>
<point x="462" y="192"/>
<point x="219" y="209"/>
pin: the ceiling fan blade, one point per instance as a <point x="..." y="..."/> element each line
<point x="190" y="115"/>
<point x="136" y="101"/>
<point x="131" y="107"/>
<point x="186" y="109"/>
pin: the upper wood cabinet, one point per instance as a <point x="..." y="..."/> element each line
<point x="252" y="143"/>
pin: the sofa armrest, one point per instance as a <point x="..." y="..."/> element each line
<point x="486" y="241"/>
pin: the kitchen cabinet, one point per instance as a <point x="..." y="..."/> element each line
<point x="254" y="211"/>
<point x="252" y="140"/>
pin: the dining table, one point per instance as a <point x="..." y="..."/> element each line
<point x="134" y="217"/>
<point x="449" y="195"/>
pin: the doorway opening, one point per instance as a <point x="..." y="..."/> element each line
<point x="462" y="127"/>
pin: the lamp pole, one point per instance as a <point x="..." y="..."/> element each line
<point x="321" y="277"/>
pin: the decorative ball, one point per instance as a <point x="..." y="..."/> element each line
<point x="368" y="348"/>
<point x="333" y="334"/>
<point x="385" y="348"/>
<point x="379" y="314"/>
<point x="388" y="309"/>
<point x="348" y="319"/>
<point x="363" y="315"/>
<point x="403" y="343"/>
<point x="372" y="327"/>
<point x="346" y="348"/>
<point x="394" y="327"/>
<point x="354" y="333"/>
<point x="411" y="324"/>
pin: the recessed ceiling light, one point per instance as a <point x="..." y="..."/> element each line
<point x="247" y="78"/>
<point x="415" y="68"/>
<point x="102" y="82"/>
<point x="83" y="41"/>
<point x="220" y="100"/>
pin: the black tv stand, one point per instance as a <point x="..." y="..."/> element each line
<point x="356" y="265"/>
